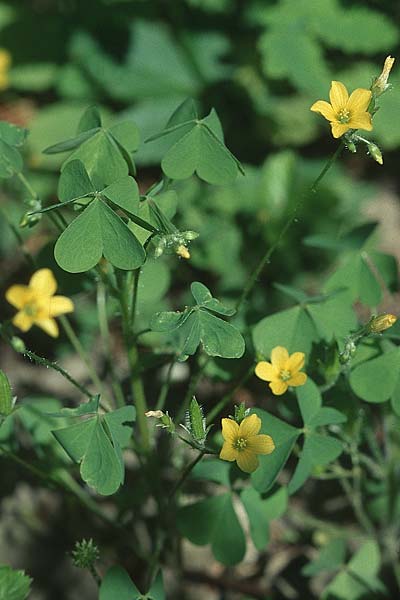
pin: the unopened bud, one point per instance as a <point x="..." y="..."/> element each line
<point x="157" y="414"/>
<point x="381" y="323"/>
<point x="351" y="146"/>
<point x="380" y="84"/>
<point x="165" y="420"/>
<point x="190" y="235"/>
<point x="18" y="345"/>
<point x="29" y="220"/>
<point x="375" y="153"/>
<point x="182" y="251"/>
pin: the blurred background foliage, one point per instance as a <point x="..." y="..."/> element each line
<point x="261" y="64"/>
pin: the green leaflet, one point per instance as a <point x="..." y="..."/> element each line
<point x="197" y="325"/>
<point x="14" y="585"/>
<point x="214" y="521"/>
<point x="105" y="152"/>
<point x="96" y="444"/>
<point x="116" y="583"/>
<point x="197" y="146"/>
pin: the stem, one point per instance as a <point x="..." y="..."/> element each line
<point x="185" y="474"/>
<point x="52" y="365"/>
<point x="265" y="259"/>
<point x="105" y="335"/>
<point x="79" y="349"/>
<point x="27" y="185"/>
<point x="165" y="387"/>
<point x="137" y="388"/>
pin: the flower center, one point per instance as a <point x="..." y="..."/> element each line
<point x="343" y="115"/>
<point x="31" y="309"/>
<point x="285" y="375"/>
<point x="240" y="444"/>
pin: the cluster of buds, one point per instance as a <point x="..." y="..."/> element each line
<point x="175" y="243"/>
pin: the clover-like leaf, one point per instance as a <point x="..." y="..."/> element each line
<point x="214" y="521"/>
<point x="116" y="583"/>
<point x="98" y="232"/>
<point x="197" y="325"/>
<point x="96" y="444"/>
<point x="197" y="146"/>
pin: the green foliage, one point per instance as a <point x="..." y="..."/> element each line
<point x="197" y="146"/>
<point x="14" y="585"/>
<point x="117" y="584"/>
<point x="97" y="231"/>
<point x="214" y="521"/>
<point x="198" y="324"/>
<point x="96" y="443"/>
<point x="6" y="400"/>
<point x="11" y="138"/>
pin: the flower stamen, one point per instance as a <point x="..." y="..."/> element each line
<point x="240" y="444"/>
<point x="343" y="116"/>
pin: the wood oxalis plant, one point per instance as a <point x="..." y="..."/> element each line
<point x="117" y="436"/>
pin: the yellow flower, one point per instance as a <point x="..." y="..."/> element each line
<point x="5" y="62"/>
<point x="242" y="442"/>
<point x="283" y="370"/>
<point x="345" y="112"/>
<point x="37" y="304"/>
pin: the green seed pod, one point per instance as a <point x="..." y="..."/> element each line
<point x="196" y="422"/>
<point x="6" y="401"/>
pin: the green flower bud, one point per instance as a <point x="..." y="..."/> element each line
<point x="85" y="554"/>
<point x="18" y="345"/>
<point x="375" y="153"/>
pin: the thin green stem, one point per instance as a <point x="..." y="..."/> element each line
<point x="267" y="256"/>
<point x="138" y="394"/>
<point x="52" y="365"/>
<point x="80" y="350"/>
<point x="27" y="186"/>
<point x="165" y="387"/>
<point x="185" y="474"/>
<point x="106" y="338"/>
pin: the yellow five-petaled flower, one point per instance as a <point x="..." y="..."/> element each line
<point x="283" y="370"/>
<point x="345" y="112"/>
<point x="243" y="442"/>
<point x="37" y="304"/>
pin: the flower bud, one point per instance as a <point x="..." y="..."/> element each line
<point x="182" y="251"/>
<point x="18" y="345"/>
<point x="381" y="323"/>
<point x="380" y="84"/>
<point x="375" y="153"/>
<point x="29" y="220"/>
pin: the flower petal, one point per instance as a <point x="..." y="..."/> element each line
<point x="23" y="321"/>
<point x="278" y="387"/>
<point x="265" y="371"/>
<point x="361" y="121"/>
<point x="43" y="281"/>
<point x="247" y="461"/>
<point x="18" y="295"/>
<point x="325" y="109"/>
<point x="338" y="129"/>
<point x="261" y="444"/>
<point x="230" y="430"/>
<point x="60" y="305"/>
<point x="338" y="95"/>
<point x="249" y="426"/>
<point x="49" y="326"/>
<point x="295" y="362"/>
<point x="228" y="452"/>
<point x="359" y="101"/>
<point x="298" y="379"/>
<point x="279" y="356"/>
